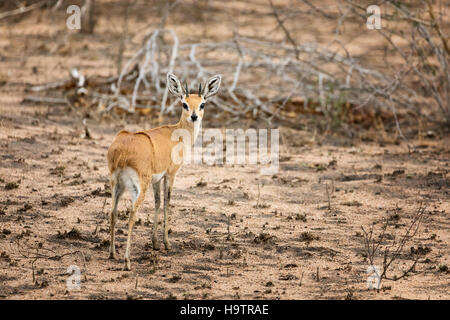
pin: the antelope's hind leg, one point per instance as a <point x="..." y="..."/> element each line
<point x="117" y="191"/>
<point x="138" y="195"/>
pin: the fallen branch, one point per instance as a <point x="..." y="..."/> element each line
<point x="23" y="9"/>
<point x="47" y="100"/>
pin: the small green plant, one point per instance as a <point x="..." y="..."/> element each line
<point x="11" y="185"/>
<point x="301" y="217"/>
<point x="333" y="105"/>
<point x="308" y="236"/>
<point x="443" y="267"/>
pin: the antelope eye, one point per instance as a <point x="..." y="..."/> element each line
<point x="185" y="106"/>
<point x="202" y="106"/>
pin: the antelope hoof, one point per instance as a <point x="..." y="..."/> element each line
<point x="127" y="266"/>
<point x="112" y="255"/>
<point x="167" y="245"/>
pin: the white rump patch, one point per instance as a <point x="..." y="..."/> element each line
<point x="158" y="176"/>
<point x="129" y="179"/>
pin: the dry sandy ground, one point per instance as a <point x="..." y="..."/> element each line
<point x="54" y="206"/>
<point x="59" y="204"/>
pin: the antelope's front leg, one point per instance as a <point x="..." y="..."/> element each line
<point x="168" y="182"/>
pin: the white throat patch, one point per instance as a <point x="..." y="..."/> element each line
<point x="197" y="128"/>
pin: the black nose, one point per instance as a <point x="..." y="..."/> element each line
<point x="194" y="117"/>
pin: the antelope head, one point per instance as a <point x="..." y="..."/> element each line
<point x="193" y="103"/>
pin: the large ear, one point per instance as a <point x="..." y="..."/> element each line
<point x="212" y="86"/>
<point x="174" y="85"/>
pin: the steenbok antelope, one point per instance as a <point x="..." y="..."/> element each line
<point x="136" y="159"/>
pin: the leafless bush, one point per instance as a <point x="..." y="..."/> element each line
<point x="282" y="77"/>
<point x="262" y="78"/>
<point x="390" y="246"/>
<point x="426" y="57"/>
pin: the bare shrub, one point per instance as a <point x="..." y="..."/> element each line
<point x="387" y="244"/>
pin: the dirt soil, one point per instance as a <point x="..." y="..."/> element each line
<point x="234" y="233"/>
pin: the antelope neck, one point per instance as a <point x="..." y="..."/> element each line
<point x="192" y="127"/>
